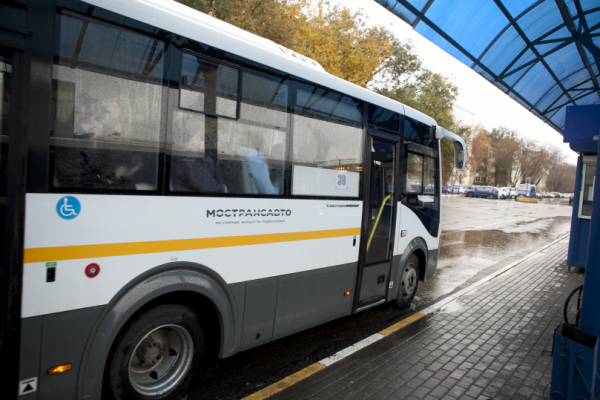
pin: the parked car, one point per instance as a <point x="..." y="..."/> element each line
<point x="482" y="191"/>
<point x="526" y="190"/>
<point x="507" y="192"/>
<point x="453" y="189"/>
<point x="470" y="190"/>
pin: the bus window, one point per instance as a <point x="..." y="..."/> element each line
<point x="421" y="174"/>
<point x="208" y="86"/>
<point x="107" y="107"/>
<point x="324" y="152"/>
<point x="413" y="174"/>
<point x="212" y="154"/>
<point x="266" y="90"/>
<point x="429" y="176"/>
<point x="417" y="132"/>
<point x="324" y="103"/>
<point x="383" y="118"/>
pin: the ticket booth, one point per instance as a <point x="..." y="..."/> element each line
<point x="582" y="126"/>
<point x="576" y="343"/>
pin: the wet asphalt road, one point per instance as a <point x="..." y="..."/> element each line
<point x="478" y="236"/>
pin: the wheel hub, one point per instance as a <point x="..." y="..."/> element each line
<point x="160" y="360"/>
<point x="409" y="281"/>
<point x="149" y="353"/>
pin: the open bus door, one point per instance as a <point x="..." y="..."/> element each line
<point x="12" y="199"/>
<point x="377" y="237"/>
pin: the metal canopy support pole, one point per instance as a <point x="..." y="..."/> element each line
<point x="590" y="317"/>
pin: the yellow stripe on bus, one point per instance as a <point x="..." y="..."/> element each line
<point x="62" y="253"/>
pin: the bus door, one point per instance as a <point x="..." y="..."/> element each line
<point x="378" y="222"/>
<point x="12" y="198"/>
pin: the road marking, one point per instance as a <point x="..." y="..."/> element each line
<point x="399" y="325"/>
<point x="340" y="355"/>
<point x="463" y="292"/>
<point x="286" y="382"/>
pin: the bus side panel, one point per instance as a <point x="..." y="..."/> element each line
<point x="307" y="299"/>
<point x="64" y="336"/>
<point x="29" y="364"/>
<point x="259" y="312"/>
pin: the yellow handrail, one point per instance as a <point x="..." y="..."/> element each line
<point x="377" y="220"/>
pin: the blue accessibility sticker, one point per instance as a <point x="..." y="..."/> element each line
<point x="68" y="207"/>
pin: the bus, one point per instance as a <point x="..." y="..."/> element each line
<point x="174" y="187"/>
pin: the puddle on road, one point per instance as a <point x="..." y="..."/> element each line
<point x="465" y="253"/>
<point x="449" y="308"/>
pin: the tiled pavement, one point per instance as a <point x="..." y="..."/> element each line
<point x="492" y="343"/>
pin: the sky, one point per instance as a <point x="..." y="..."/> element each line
<point x="490" y="106"/>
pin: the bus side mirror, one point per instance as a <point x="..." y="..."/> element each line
<point x="459" y="146"/>
<point x="459" y="155"/>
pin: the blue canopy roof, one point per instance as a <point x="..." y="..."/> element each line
<point x="544" y="54"/>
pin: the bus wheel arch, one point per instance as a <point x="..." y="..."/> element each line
<point x="409" y="281"/>
<point x="157" y="355"/>
<point x="420" y="253"/>
<point x="191" y="285"/>
<point x="416" y="249"/>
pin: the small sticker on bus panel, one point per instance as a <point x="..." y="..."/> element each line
<point x="68" y="207"/>
<point x="27" y="386"/>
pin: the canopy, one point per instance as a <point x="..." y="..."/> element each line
<point x="544" y="54"/>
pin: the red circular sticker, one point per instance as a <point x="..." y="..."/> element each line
<point x="92" y="270"/>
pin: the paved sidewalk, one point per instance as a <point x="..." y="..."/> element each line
<point x="494" y="342"/>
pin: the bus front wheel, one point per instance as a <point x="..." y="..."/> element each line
<point x="156" y="355"/>
<point x="409" y="281"/>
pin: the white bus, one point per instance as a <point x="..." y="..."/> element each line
<point x="173" y="186"/>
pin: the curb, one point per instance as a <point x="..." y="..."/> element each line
<point x="340" y="355"/>
<point x="452" y="195"/>
<point x="527" y="200"/>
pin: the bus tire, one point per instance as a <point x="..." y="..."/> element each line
<point x="156" y="355"/>
<point x="409" y="281"/>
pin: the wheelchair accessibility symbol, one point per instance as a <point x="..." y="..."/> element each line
<point x="68" y="207"/>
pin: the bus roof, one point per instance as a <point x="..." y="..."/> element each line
<point x="182" y="20"/>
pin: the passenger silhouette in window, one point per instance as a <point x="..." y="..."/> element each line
<point x="258" y="169"/>
<point x="190" y="172"/>
<point x="85" y="165"/>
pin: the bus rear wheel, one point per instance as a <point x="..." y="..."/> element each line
<point x="409" y="281"/>
<point x="156" y="355"/>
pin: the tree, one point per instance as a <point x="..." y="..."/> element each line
<point x="276" y="20"/>
<point x="561" y="178"/>
<point x="339" y="39"/>
<point x="478" y="161"/>
<point x="428" y="92"/>
<point x="334" y="36"/>
<point x="534" y="160"/>
<point x="504" y="146"/>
